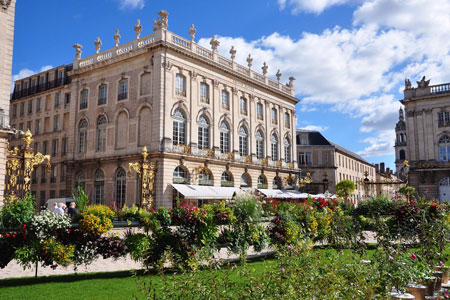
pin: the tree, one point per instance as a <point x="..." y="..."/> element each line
<point x="408" y="191"/>
<point x="345" y="188"/>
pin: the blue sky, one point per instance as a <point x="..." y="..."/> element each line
<point x="350" y="57"/>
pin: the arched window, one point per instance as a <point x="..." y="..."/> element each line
<point x="224" y="137"/>
<point x="444" y="148"/>
<point x="245" y="180"/>
<point x="82" y="136"/>
<point x="262" y="182"/>
<point x="259" y="144"/>
<point x="180" y="85"/>
<point x="274" y="141"/>
<point x="243" y="106"/>
<point x="120" y="187"/>
<point x="287" y="120"/>
<point x="205" y="177"/>
<point x="226" y="179"/>
<point x="276" y="183"/>
<point x="402" y="154"/>
<point x="243" y="141"/>
<point x="179" y="128"/>
<point x="99" y="187"/>
<point x="204" y="92"/>
<point x="203" y="133"/>
<point x="225" y="100"/>
<point x="101" y="134"/>
<point x="287" y="150"/>
<point x="180" y="175"/>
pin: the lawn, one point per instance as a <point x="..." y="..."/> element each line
<point x="111" y="285"/>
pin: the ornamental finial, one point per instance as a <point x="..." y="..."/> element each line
<point x="138" y="28"/>
<point x="214" y="43"/>
<point x="27" y="138"/>
<point x="278" y="75"/>
<point x="117" y="37"/>
<point x="144" y="153"/>
<point x="192" y="32"/>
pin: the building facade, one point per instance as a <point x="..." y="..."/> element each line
<point x="205" y="120"/>
<point x="7" y="14"/>
<point x="427" y="109"/>
<point x="325" y="160"/>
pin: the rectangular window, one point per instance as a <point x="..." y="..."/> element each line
<point x="102" y="94"/>
<point x="325" y="158"/>
<point x="84" y="99"/>
<point x="37" y="128"/>
<point x="30" y="107"/>
<point x="225" y="100"/>
<point x="204" y="92"/>
<point x="43" y="174"/>
<point x="44" y="147"/>
<point x="64" y="146"/>
<point x="54" y="147"/>
<point x="66" y="100"/>
<point x="14" y="110"/>
<point x="53" y="174"/>
<point x="287" y="121"/>
<point x="304" y="158"/>
<point x="42" y="197"/>
<point x="243" y="106"/>
<point x="29" y="125"/>
<point x="52" y="194"/>
<point x="57" y="99"/>
<point x="444" y="119"/>
<point x="274" y="116"/>
<point x="21" y="126"/>
<point x="180" y="85"/>
<point x="63" y="173"/>
<point x="259" y="111"/>
<point x="38" y="105"/>
<point x="62" y="193"/>
<point x="123" y="89"/>
<point x="56" y="123"/>
<point x="36" y="147"/>
<point x="22" y="108"/>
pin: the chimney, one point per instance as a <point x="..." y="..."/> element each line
<point x="382" y="168"/>
<point x="388" y="171"/>
<point x="377" y="168"/>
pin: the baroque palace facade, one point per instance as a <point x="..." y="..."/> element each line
<point x="423" y="139"/>
<point x="207" y="122"/>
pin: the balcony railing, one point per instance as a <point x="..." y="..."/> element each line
<point x="180" y="92"/>
<point x="208" y="182"/>
<point x="122" y="96"/>
<point x="227" y="183"/>
<point x="181" y="180"/>
<point x="444" y="124"/>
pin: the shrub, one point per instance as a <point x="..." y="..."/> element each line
<point x="345" y="188"/>
<point x="110" y="247"/>
<point x="95" y="226"/>
<point x="138" y="245"/>
<point x="80" y="197"/>
<point x="53" y="252"/>
<point x="16" y="213"/>
<point x="47" y="225"/>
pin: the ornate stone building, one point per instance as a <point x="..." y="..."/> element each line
<point x="210" y="124"/>
<point x="427" y="109"/>
<point x="7" y="12"/>
<point x="325" y="160"/>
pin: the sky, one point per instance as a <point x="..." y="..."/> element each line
<point x="349" y="57"/>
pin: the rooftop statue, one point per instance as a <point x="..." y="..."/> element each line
<point x="423" y="83"/>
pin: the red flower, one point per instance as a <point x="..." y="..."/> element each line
<point x="7" y="235"/>
<point x="413" y="256"/>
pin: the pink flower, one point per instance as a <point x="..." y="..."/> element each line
<point x="290" y="247"/>
<point x="413" y="256"/>
<point x="391" y="258"/>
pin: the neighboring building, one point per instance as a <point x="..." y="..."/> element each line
<point x="400" y="143"/>
<point x="320" y="157"/>
<point x="7" y="12"/>
<point x="386" y="182"/>
<point x="427" y="109"/>
<point x="206" y="120"/>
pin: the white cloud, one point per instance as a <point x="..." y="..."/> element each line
<point x="358" y="71"/>
<point x="27" y="72"/>
<point x="310" y="6"/>
<point x="131" y="4"/>
<point x="307" y="108"/>
<point x="315" y="128"/>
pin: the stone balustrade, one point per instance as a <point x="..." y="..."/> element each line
<point x="163" y="35"/>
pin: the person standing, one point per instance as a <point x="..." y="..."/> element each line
<point x="72" y="210"/>
<point x="59" y="210"/>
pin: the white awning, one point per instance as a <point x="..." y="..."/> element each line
<point x="283" y="194"/>
<point x="202" y="192"/>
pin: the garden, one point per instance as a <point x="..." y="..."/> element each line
<point x="319" y="248"/>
